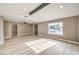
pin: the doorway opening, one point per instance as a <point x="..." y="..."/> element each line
<point x="14" y="30"/>
<point x="36" y="29"/>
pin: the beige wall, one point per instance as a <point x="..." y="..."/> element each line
<point x="7" y="29"/>
<point x="24" y="29"/>
<point x="78" y="27"/>
<point x="70" y="28"/>
<point x="1" y="30"/>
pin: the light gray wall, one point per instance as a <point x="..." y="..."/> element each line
<point x="1" y="30"/>
<point x="70" y="28"/>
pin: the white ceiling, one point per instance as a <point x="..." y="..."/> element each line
<point x="15" y="12"/>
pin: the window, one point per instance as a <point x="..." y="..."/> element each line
<point x="55" y="28"/>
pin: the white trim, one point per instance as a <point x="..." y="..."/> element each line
<point x="61" y="22"/>
<point x="19" y="35"/>
<point x="7" y="37"/>
<point x="60" y="39"/>
<point x="24" y="34"/>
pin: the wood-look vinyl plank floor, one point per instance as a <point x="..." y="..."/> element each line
<point x="17" y="46"/>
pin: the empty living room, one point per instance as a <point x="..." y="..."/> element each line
<point x="39" y="28"/>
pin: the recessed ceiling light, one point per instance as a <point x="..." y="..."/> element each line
<point x="61" y="6"/>
<point x="24" y="8"/>
<point x="40" y="15"/>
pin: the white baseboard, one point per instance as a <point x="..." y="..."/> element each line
<point x="24" y="34"/>
<point x="7" y="37"/>
<point x="19" y="35"/>
<point x="60" y="39"/>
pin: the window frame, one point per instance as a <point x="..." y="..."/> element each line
<point x="56" y="33"/>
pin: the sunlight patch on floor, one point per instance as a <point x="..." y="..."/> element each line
<point x="40" y="44"/>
